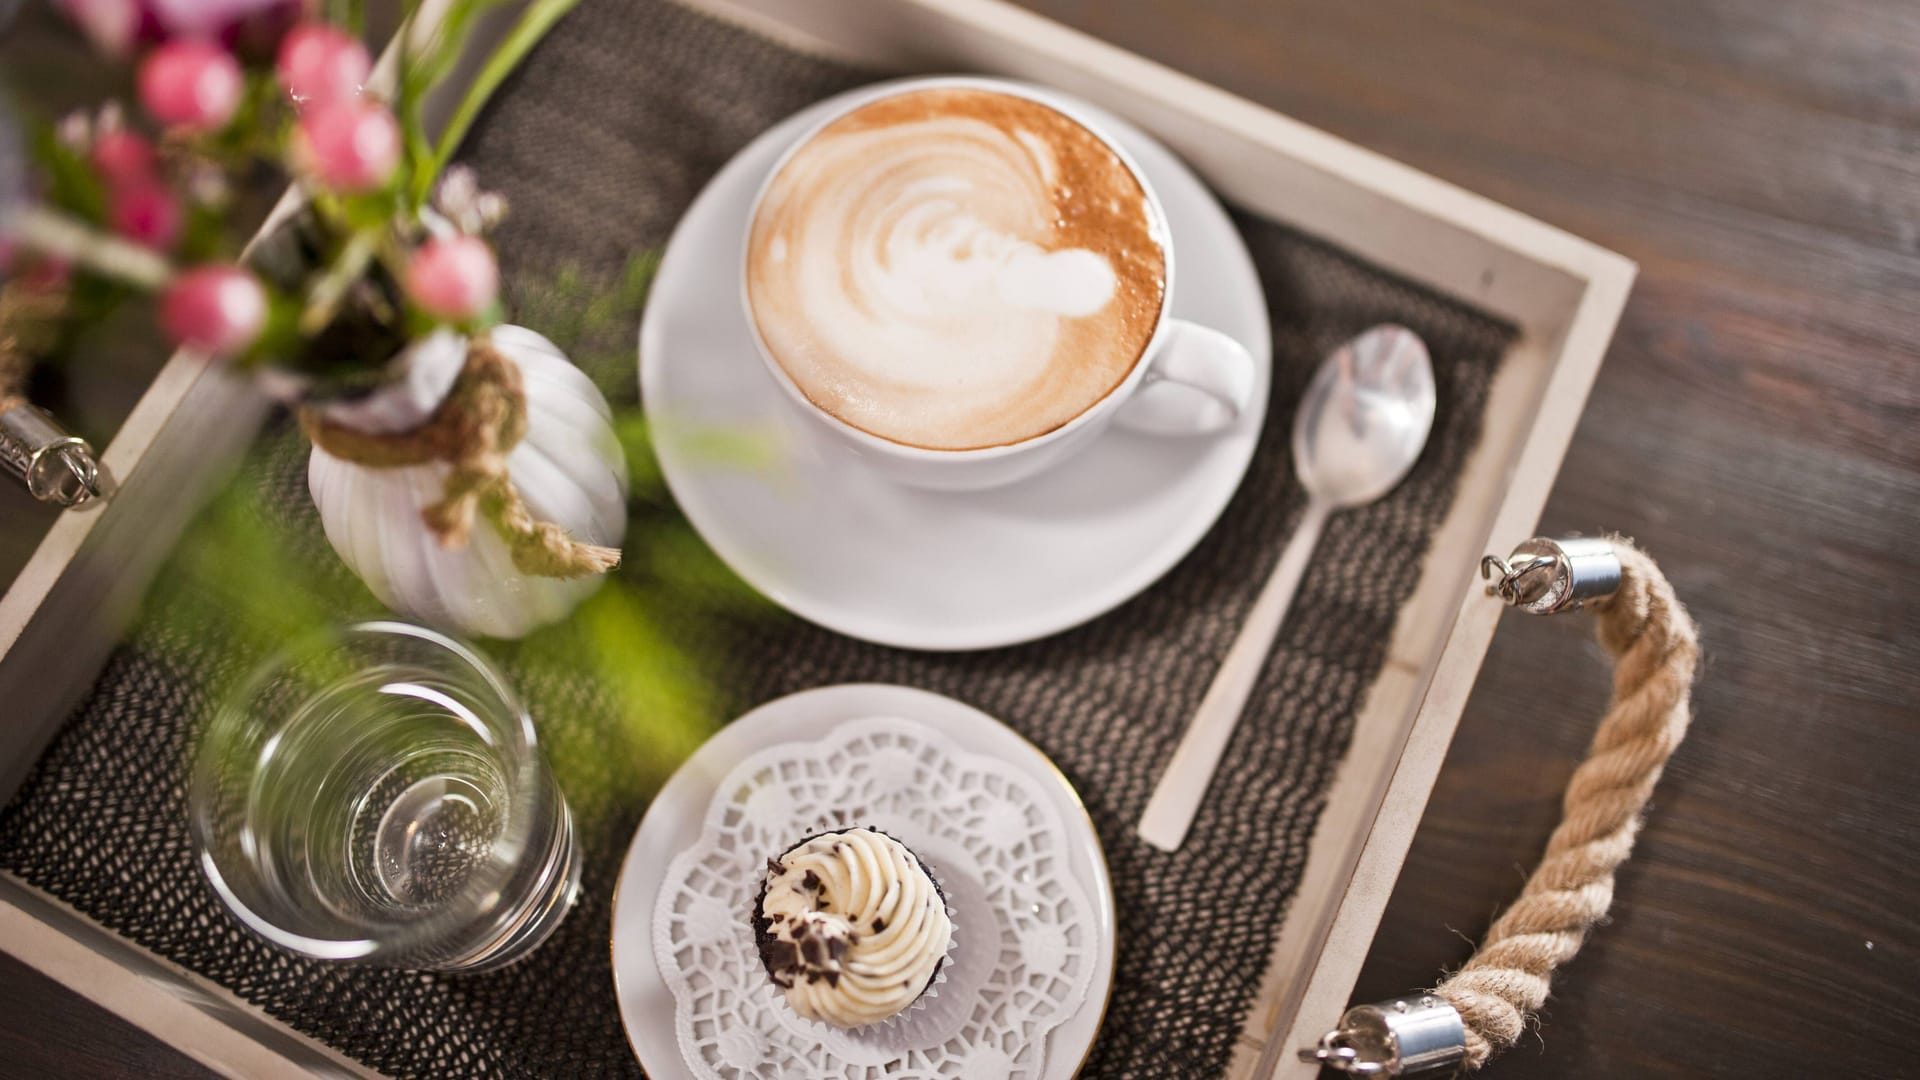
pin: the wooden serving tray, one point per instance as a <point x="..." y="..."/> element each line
<point x="64" y="612"/>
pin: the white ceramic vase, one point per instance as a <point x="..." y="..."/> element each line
<point x="569" y="470"/>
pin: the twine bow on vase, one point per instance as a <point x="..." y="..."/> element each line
<point x="483" y="417"/>
<point x="483" y="490"/>
<point x="1484" y="1007"/>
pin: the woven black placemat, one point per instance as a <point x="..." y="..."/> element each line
<point x="600" y="142"/>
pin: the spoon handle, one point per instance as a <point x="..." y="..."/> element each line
<point x="1170" y="811"/>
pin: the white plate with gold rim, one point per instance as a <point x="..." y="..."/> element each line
<point x="840" y="546"/>
<point x="998" y="944"/>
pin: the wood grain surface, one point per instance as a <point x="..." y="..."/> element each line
<point x="1756" y="427"/>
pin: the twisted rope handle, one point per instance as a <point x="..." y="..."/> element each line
<point x="1655" y="647"/>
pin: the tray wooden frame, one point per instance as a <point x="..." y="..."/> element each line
<point x="60" y="618"/>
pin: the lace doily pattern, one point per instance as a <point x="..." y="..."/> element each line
<point x="1024" y="931"/>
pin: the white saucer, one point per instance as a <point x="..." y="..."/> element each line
<point x="675" y="821"/>
<point x="838" y="545"/>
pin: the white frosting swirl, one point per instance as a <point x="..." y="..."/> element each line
<point x="857" y="927"/>
<point x="955" y="268"/>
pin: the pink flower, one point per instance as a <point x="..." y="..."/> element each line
<point x="218" y="310"/>
<point x="349" y="146"/>
<point x="320" y="63"/>
<point x="453" y="277"/>
<point x="191" y="84"/>
<point x="146" y="213"/>
<point x="122" y="157"/>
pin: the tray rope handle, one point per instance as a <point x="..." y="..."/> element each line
<point x="1484" y="1007"/>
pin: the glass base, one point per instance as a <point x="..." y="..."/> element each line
<point x="556" y="894"/>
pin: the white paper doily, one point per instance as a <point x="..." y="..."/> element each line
<point x="1030" y="973"/>
<point x="1024" y="930"/>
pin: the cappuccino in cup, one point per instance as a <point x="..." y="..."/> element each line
<point x="955" y="268"/>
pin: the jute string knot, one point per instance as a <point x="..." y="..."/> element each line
<point x="1655" y="649"/>
<point x="483" y="417"/>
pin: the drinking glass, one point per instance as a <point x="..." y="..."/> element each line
<point x="375" y="793"/>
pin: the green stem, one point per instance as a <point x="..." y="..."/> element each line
<point x="323" y="302"/>
<point x="533" y="25"/>
<point x="351" y="14"/>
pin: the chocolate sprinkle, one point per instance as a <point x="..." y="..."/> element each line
<point x="812" y="952"/>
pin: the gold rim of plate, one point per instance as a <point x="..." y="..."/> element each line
<point x="1059" y="776"/>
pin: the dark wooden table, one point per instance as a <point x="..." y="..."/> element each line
<point x="1756" y="426"/>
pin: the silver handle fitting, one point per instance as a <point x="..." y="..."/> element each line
<point x="1417" y="1033"/>
<point x="1544" y="577"/>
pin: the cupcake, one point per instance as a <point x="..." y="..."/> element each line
<point x="851" y="927"/>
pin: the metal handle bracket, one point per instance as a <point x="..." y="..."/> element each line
<point x="1416" y="1033"/>
<point x="1545" y="576"/>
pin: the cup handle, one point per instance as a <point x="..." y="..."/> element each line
<point x="1198" y="382"/>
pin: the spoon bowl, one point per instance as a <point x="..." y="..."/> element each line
<point x="1364" y="418"/>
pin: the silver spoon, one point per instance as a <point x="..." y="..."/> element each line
<point x="1360" y="425"/>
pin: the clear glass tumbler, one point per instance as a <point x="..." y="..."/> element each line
<point x="376" y="794"/>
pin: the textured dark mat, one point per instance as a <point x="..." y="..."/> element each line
<point x="600" y="143"/>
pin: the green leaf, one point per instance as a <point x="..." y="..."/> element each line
<point x="280" y="337"/>
<point x="72" y="183"/>
<point x="533" y="25"/>
<point x="242" y="577"/>
<point x="423" y="65"/>
<point x="350" y="15"/>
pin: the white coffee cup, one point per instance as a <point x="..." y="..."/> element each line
<point x="1215" y="371"/>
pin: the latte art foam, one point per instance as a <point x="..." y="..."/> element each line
<point x="955" y="268"/>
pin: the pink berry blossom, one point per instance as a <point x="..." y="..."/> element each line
<point x="453" y="277"/>
<point x="319" y="63"/>
<point x="218" y="310"/>
<point x="145" y="213"/>
<point x="191" y="84"/>
<point x="123" y="158"/>
<point x="349" y="146"/>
